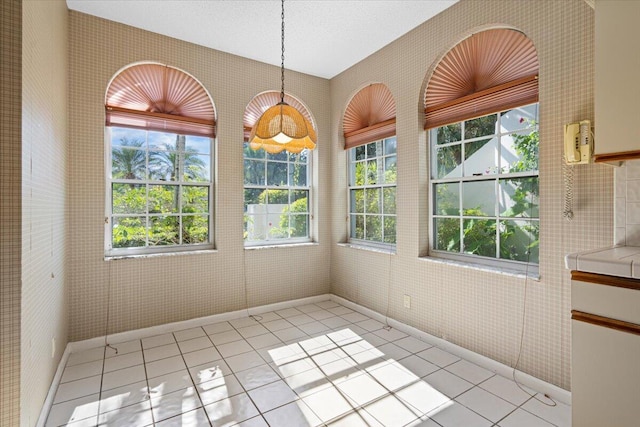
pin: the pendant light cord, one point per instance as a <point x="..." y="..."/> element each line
<point x="282" y="55"/>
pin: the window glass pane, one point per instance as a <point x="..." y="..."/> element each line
<point x="195" y="229"/>
<point x="277" y="173"/>
<point x="479" y="237"/>
<point x="299" y="200"/>
<point x="519" y="240"/>
<point x="281" y="156"/>
<point x="447" y="199"/>
<point x="129" y="232"/>
<point x="128" y="163"/>
<point x="198" y="144"/>
<point x="481" y="157"/>
<point x="255" y="225"/>
<point x="197" y="167"/>
<point x="275" y="197"/>
<point x="372" y="200"/>
<point x="360" y="152"/>
<point x="129" y="198"/>
<point x="299" y="225"/>
<point x="372" y="172"/>
<point x="519" y="118"/>
<point x="164" y="230"/>
<point x="390" y="170"/>
<point x="447" y="234"/>
<point x="373" y="228"/>
<point x="373" y="149"/>
<point x="163" y="165"/>
<point x="390" y="145"/>
<point x="448" y="161"/>
<point x="163" y="199"/>
<point x="480" y="127"/>
<point x="448" y="133"/>
<point x="389" y="229"/>
<point x="195" y="199"/>
<point x="302" y="157"/>
<point x="254" y="172"/>
<point x="357" y="226"/>
<point x="357" y="173"/>
<point x="252" y="198"/>
<point x="125" y="137"/>
<point x="389" y="200"/>
<point x="162" y="140"/>
<point x="250" y="153"/>
<point x="479" y="198"/>
<point x="520" y="151"/>
<point x="357" y="201"/>
<point x="298" y="174"/>
<point x="519" y="197"/>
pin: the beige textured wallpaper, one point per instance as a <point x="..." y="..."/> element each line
<point x="142" y="292"/>
<point x="10" y="211"/>
<point x="44" y="200"/>
<point x="480" y="310"/>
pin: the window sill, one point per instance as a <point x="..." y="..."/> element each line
<point x="284" y="245"/>
<point x="532" y="275"/>
<point x="390" y="250"/>
<point x="160" y="254"/>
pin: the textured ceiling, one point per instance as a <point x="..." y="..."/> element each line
<point x="322" y="37"/>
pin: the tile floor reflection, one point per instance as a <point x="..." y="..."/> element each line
<point x="318" y="364"/>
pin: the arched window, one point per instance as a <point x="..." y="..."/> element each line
<point x="481" y="113"/>
<point x="160" y="127"/>
<point x="277" y="186"/>
<point x="369" y="126"/>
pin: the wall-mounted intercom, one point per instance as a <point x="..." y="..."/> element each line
<point x="578" y="143"/>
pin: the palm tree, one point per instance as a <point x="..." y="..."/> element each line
<point x="128" y="161"/>
<point x="175" y="164"/>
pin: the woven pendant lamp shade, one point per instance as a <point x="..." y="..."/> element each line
<point x="282" y="127"/>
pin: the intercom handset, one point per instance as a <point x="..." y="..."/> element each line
<point x="578" y="143"/>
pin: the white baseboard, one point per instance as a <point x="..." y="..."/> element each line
<point x="137" y="334"/>
<point x="536" y="384"/>
<point x="48" y="402"/>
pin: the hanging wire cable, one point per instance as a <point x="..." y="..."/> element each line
<point x="524" y="312"/>
<point x="386" y="314"/>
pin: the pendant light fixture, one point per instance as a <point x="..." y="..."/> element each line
<point x="282" y="127"/>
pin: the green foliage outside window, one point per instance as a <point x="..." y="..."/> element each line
<point x="519" y="236"/>
<point x="158" y="213"/>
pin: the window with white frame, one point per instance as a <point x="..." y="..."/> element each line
<point x="372" y="192"/>
<point x="276" y="197"/>
<point x="484" y="182"/>
<point x="160" y="191"/>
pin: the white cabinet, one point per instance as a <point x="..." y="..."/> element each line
<point x="617" y="80"/>
<point x="605" y="350"/>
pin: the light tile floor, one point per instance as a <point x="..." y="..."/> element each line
<point x="314" y="365"/>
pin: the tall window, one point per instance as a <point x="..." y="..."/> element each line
<point x="369" y="125"/>
<point x="481" y="113"/>
<point x="277" y="186"/>
<point x="484" y="180"/>
<point x="372" y="191"/>
<point x="276" y="196"/>
<point x="159" y="151"/>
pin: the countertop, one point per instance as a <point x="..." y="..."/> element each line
<point x="620" y="261"/>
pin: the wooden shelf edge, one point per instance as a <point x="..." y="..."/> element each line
<point x="616" y="157"/>
<point x="601" y="279"/>
<point x="606" y="322"/>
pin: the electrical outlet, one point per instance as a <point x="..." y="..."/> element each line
<point x="407" y="301"/>
<point x="53" y="347"/>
